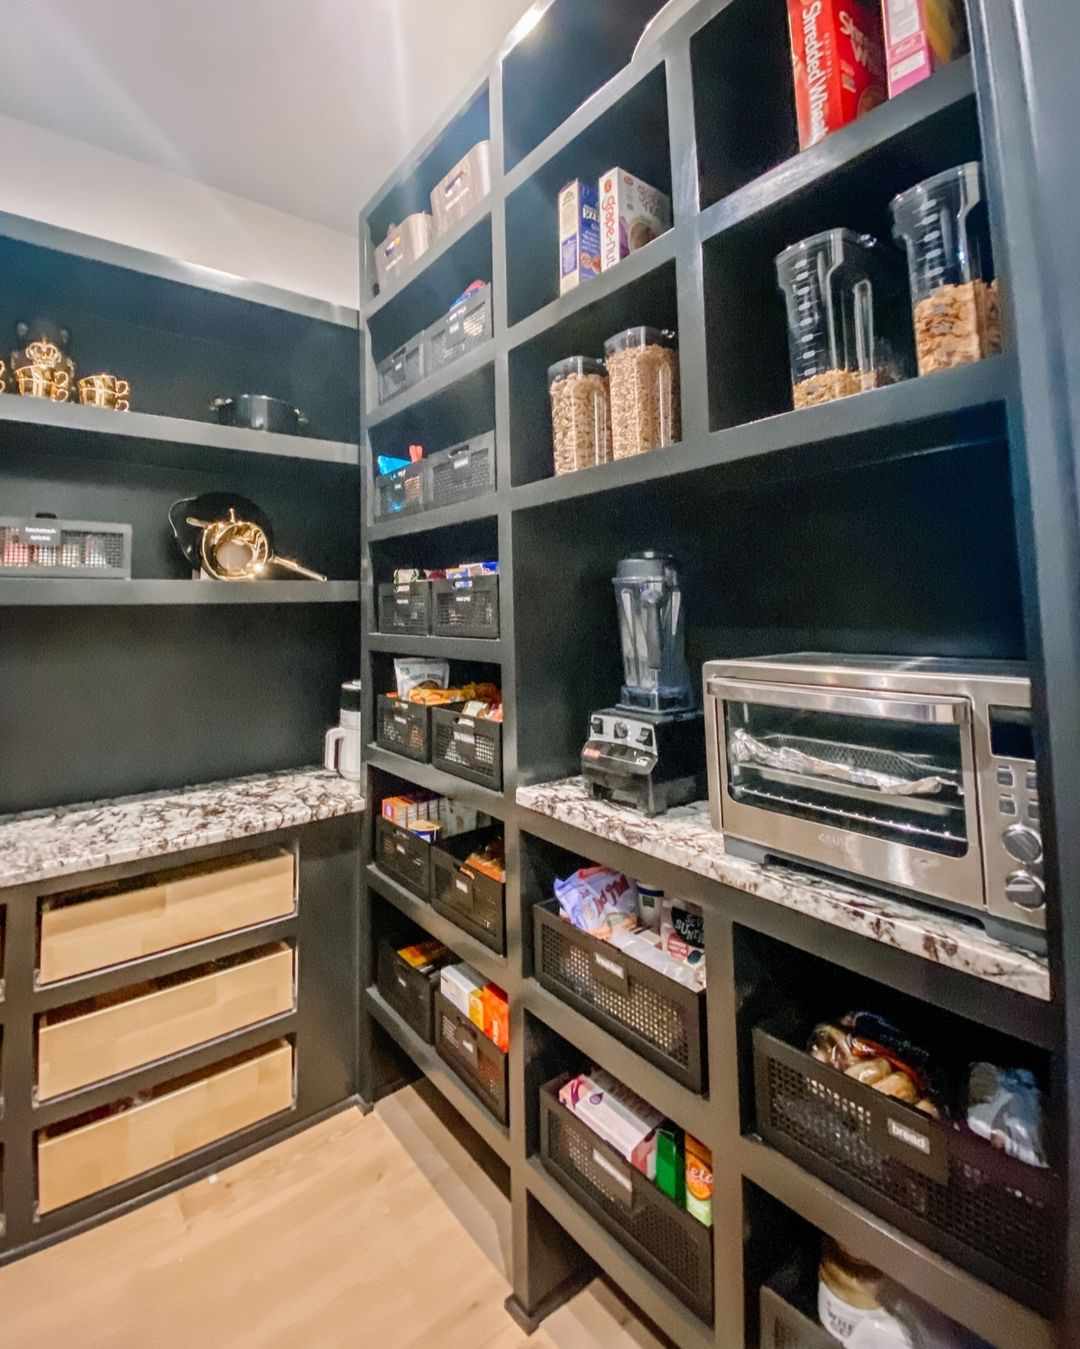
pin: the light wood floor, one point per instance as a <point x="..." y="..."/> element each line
<point x="381" y="1231"/>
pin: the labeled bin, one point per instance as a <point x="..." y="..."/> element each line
<point x="466" y="607"/>
<point x="405" y="607"/>
<point x="400" y="492"/>
<point x="463" y="328"/>
<point x="407" y="991"/>
<point x="402" y="368"/>
<point x="475" y="902"/>
<point x="468" y="747"/>
<point x="404" y="856"/>
<point x="666" y="1239"/>
<point x="946" y="1187"/>
<point x="461" y="472"/>
<point x="659" y="1019"/>
<point x="404" y="245"/>
<point x="478" y="1061"/>
<point x="463" y="188"/>
<point x="403" y="727"/>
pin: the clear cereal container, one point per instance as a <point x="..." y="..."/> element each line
<point x="580" y="413"/>
<point x="643" y="372"/>
<point x="835" y="286"/>
<point x="943" y="224"/>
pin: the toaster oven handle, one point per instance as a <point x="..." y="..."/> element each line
<point x="939" y="711"/>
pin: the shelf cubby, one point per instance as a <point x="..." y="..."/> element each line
<point x="631" y="134"/>
<point x="647" y="298"/>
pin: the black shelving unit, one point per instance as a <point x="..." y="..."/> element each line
<point x="937" y="516"/>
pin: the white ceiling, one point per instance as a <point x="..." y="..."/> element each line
<point x="304" y="105"/>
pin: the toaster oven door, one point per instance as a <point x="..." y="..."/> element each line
<point x="879" y="784"/>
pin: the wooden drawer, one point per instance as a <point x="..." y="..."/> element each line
<point x="116" y="1033"/>
<point x="180" y="1117"/>
<point x="90" y="930"/>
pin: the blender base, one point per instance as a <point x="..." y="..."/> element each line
<point x="649" y="761"/>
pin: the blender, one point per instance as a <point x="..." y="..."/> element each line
<point x="648" y="751"/>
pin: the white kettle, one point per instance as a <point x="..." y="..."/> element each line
<point x="345" y="743"/>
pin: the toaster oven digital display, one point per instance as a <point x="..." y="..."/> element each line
<point x="1011" y="736"/>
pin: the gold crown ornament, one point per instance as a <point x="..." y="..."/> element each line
<point x="42" y="368"/>
<point x="105" y="391"/>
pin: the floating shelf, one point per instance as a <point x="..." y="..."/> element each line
<point x="434" y="385"/>
<point x="441" y="1076"/>
<point x="429" y="266"/>
<point x="39" y="591"/>
<point x="442" y="517"/>
<point x="435" y="780"/>
<point x="99" y="433"/>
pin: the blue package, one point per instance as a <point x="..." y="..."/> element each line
<point x="579" y="234"/>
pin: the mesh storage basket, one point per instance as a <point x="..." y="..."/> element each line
<point x="784" y="1326"/>
<point x="399" y="493"/>
<point x="410" y="993"/>
<point x="461" y="472"/>
<point x="475" y="902"/>
<point x="47" y="547"/>
<point x="480" y="1064"/>
<point x="404" y="727"/>
<point x="468" y="747"/>
<point x="945" y="1186"/>
<point x="403" y="368"/>
<point x="658" y="1018"/>
<point x="462" y="329"/>
<point x="468" y="607"/>
<point x="665" y="1238"/>
<point x="403" y="856"/>
<point x="405" y="608"/>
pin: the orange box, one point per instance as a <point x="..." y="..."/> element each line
<point x="496" y="1016"/>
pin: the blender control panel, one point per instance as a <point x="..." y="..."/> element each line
<point x="613" y="735"/>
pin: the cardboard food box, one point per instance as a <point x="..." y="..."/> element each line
<point x="579" y="235"/>
<point x="631" y="215"/>
<point x="920" y="36"/>
<point x="838" y="61"/>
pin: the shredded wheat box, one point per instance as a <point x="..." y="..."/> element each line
<point x="838" y="62"/>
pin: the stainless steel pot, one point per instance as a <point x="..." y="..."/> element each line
<point x="259" y="412"/>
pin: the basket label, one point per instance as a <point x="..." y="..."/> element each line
<point x="911" y="1137"/>
<point x="898" y="1132"/>
<point x="610" y="1169"/>
<point x="462" y="886"/>
<point x="609" y="971"/>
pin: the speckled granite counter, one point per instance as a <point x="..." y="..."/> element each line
<point x="39" y="845"/>
<point x="684" y="838"/>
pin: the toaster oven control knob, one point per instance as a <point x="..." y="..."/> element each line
<point x="621" y="730"/>
<point x="1025" y="890"/>
<point x="1022" y="843"/>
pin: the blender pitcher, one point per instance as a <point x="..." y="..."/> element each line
<point x="653" y="634"/>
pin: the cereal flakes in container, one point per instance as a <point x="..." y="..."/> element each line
<point x="942" y="223"/>
<point x="643" y="374"/>
<point x="580" y="413"/>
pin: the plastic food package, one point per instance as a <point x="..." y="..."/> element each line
<point x="580" y="414"/>
<point x="699" y="1181"/>
<point x="1005" y="1106"/>
<point x="420" y="674"/>
<point x="643" y="386"/>
<point x="618" y="1116"/>
<point x="424" y="956"/>
<point x="642" y="944"/>
<point x="593" y="896"/>
<point x="838" y="62"/>
<point x="871" y="1050"/>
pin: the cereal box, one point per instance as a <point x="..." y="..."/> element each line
<point x="920" y="36"/>
<point x="579" y="235"/>
<point x="838" y="62"/>
<point x="631" y="214"/>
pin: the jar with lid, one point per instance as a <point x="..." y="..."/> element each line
<point x="850" y="1302"/>
<point x="643" y="371"/>
<point x="942" y="222"/>
<point x="838" y="288"/>
<point x="580" y="413"/>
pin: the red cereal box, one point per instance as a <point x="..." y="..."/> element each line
<point x="839" y="65"/>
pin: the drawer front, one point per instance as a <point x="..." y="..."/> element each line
<point x="117" y="1039"/>
<point x="119" y="1147"/>
<point x="171" y="909"/>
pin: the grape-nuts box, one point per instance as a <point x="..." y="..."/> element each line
<point x="579" y="235"/>
<point x="631" y="214"/>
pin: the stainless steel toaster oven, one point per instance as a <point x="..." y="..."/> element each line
<point x="916" y="775"/>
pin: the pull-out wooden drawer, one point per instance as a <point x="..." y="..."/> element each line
<point x="89" y="930"/>
<point x="76" y="1158"/>
<point x="118" y="1032"/>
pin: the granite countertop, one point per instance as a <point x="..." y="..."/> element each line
<point x="42" y="844"/>
<point x="685" y="838"/>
